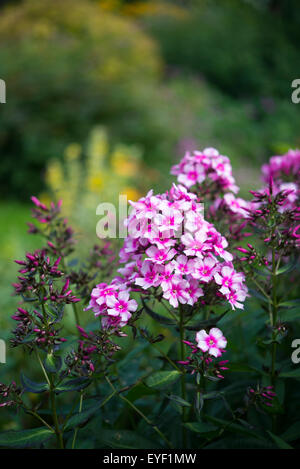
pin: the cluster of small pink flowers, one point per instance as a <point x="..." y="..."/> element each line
<point x="212" y="342"/>
<point x="171" y="251"/>
<point x="284" y="172"/>
<point x="236" y="207"/>
<point x="209" y="346"/>
<point x="209" y="164"/>
<point x="176" y="252"/>
<point x="112" y="303"/>
<point x="284" y="168"/>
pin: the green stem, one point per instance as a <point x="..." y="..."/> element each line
<point x="74" y="306"/>
<point x="43" y="368"/>
<point x="37" y="416"/>
<point x="59" y="436"/>
<point x="274" y="318"/>
<point x="183" y="383"/>
<point x="273" y="325"/>
<point x="141" y="414"/>
<point x="76" y="429"/>
<point x="160" y="351"/>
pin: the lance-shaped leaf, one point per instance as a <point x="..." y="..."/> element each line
<point x="158" y="317"/>
<point x="162" y="379"/>
<point x="205" y="324"/>
<point x="279" y="441"/>
<point x="32" y="386"/>
<point x="25" y="438"/>
<point x="73" y="384"/>
<point x="80" y="419"/>
<point x="52" y="363"/>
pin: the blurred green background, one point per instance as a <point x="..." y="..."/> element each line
<point x="103" y="96"/>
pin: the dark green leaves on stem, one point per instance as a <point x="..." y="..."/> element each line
<point x="25" y="438"/>
<point x="160" y="319"/>
<point x="32" y="386"/>
<point x="162" y="379"/>
<point x="73" y="384"/>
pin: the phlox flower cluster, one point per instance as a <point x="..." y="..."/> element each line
<point x="208" y="346"/>
<point x="284" y="172"/>
<point x="159" y="260"/>
<point x="179" y="268"/>
<point x="209" y="175"/>
<point x="207" y="165"/>
<point x="112" y="303"/>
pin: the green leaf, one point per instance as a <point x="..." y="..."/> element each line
<point x="279" y="441"/>
<point x="32" y="386"/>
<point x="289" y="304"/>
<point x="207" y="323"/>
<point x="232" y="427"/>
<point x="139" y="391"/>
<point x="25" y="438"/>
<point x="125" y="439"/>
<point x="158" y="317"/>
<point x="73" y="384"/>
<point x="291" y="374"/>
<point x="79" y="419"/>
<point x="200" y="427"/>
<point x="292" y="433"/>
<point x="287" y="267"/>
<point x="161" y="379"/>
<point x="178" y="400"/>
<point x="52" y="363"/>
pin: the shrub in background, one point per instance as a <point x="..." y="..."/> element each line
<point x="68" y="65"/>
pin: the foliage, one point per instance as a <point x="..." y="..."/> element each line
<point x="85" y="181"/>
<point x="68" y="66"/>
<point x="128" y="380"/>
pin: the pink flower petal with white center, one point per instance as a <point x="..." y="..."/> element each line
<point x="123" y="296"/>
<point x="214" y="351"/>
<point x="132" y="305"/>
<point x="216" y="333"/>
<point x="202" y="346"/>
<point x="222" y="343"/>
<point x="201" y="335"/>
<point x="111" y="301"/>
<point x="112" y="312"/>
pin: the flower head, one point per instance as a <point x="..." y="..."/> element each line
<point x="213" y="342"/>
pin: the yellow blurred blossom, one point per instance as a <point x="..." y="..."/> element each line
<point x="131" y="193"/>
<point x="72" y="152"/>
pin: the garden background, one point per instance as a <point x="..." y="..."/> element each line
<point x="104" y="96"/>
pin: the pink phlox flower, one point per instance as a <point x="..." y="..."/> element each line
<point x="236" y="204"/>
<point x="177" y="292"/>
<point x="194" y="291"/>
<point x="159" y="256"/>
<point x="227" y="277"/>
<point x="213" y="342"/>
<point x="121" y="306"/>
<point x="182" y="265"/>
<point x="204" y="269"/>
<point x="150" y="275"/>
<point x="195" y="244"/>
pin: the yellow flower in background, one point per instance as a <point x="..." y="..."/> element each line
<point x="54" y="175"/>
<point x="100" y="175"/>
<point x="131" y="193"/>
<point x="72" y="152"/>
<point x="110" y="5"/>
<point x="125" y="161"/>
<point x="45" y="198"/>
<point x="97" y="149"/>
<point x="95" y="183"/>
